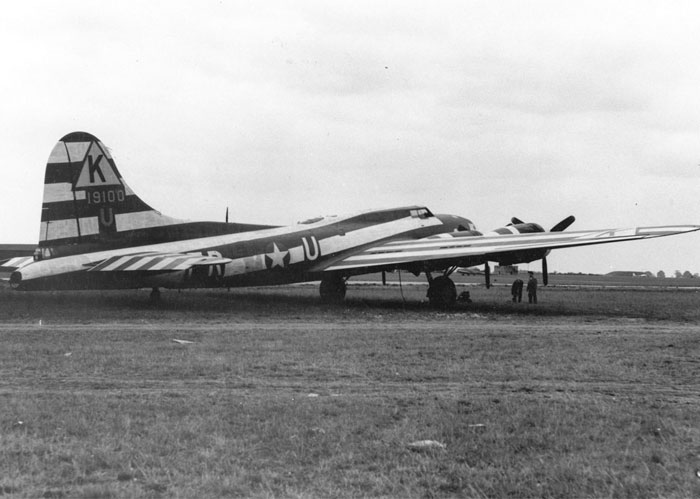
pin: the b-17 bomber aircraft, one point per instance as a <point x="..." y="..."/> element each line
<point x="96" y="233"/>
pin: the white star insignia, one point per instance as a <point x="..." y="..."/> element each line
<point x="276" y="257"/>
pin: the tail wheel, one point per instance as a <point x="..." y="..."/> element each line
<point x="333" y="289"/>
<point x="442" y="292"/>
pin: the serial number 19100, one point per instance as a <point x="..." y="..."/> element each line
<point x="106" y="196"/>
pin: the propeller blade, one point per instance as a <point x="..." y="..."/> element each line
<point x="227" y="214"/>
<point x="516" y="220"/>
<point x="545" y="273"/>
<point x="564" y="224"/>
<point x="487" y="275"/>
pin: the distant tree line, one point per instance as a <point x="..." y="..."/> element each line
<point x="660" y="274"/>
<point x="678" y="274"/>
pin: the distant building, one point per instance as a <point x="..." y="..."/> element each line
<point x="630" y="273"/>
<point x="505" y="269"/>
<point x="470" y="271"/>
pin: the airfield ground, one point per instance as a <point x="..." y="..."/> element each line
<point x="591" y="393"/>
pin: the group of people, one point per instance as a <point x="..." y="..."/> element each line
<point x="517" y="289"/>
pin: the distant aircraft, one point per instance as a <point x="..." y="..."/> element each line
<point x="96" y="233"/>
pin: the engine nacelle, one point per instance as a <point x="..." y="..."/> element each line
<point x="523" y="256"/>
<point x="515" y="257"/>
<point x="522" y="228"/>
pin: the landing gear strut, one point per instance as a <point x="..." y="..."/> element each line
<point x="333" y="289"/>
<point x="442" y="292"/>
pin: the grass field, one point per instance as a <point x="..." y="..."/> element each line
<point x="591" y="393"/>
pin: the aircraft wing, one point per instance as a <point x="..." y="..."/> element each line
<point x="453" y="247"/>
<point x="155" y="262"/>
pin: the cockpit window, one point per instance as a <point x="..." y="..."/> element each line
<point x="421" y="213"/>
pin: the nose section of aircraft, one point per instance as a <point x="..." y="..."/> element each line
<point x="457" y="223"/>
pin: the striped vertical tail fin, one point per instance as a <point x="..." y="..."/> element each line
<point x="86" y="200"/>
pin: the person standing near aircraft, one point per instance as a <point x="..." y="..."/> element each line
<point x="532" y="289"/>
<point x="517" y="290"/>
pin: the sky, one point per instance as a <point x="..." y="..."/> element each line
<point x="283" y="111"/>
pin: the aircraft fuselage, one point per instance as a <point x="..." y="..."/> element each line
<point x="95" y="232"/>
<point x="275" y="255"/>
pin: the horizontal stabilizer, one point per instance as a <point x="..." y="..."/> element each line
<point x="156" y="262"/>
<point x="15" y="263"/>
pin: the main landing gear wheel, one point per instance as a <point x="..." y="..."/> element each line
<point x="442" y="292"/>
<point x="333" y="289"/>
<point x="154" y="297"/>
